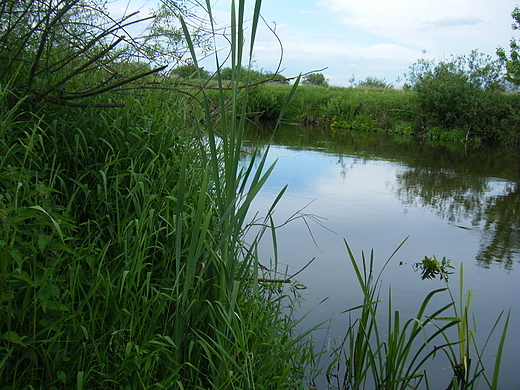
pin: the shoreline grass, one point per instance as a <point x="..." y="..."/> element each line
<point x="370" y="356"/>
<point x="122" y="261"/>
<point x="380" y="110"/>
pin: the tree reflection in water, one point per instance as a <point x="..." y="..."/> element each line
<point x="491" y="206"/>
<point x="473" y="188"/>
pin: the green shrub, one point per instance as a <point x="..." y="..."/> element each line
<point x="465" y="93"/>
<point x="374" y="82"/>
<point x="315" y="79"/>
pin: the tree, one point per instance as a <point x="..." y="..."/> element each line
<point x="512" y="62"/>
<point x="315" y="79"/>
<point x="276" y="78"/>
<point x="164" y="42"/>
<point x="65" y="51"/>
<point x="375" y="83"/>
<point x="458" y="93"/>
<point x="189" y="70"/>
<point x="249" y="75"/>
<point x="62" y="51"/>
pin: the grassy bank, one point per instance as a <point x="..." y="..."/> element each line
<point x="122" y="259"/>
<point x="119" y="265"/>
<point x="373" y="110"/>
<point x="319" y="105"/>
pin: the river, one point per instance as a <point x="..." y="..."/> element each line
<point x="374" y="191"/>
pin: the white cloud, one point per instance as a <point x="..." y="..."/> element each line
<point x="377" y="38"/>
<point x="439" y="26"/>
<point x="451" y="22"/>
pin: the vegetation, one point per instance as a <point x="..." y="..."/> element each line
<point x="122" y="260"/>
<point x="374" y="82"/>
<point x="459" y="100"/>
<point x="392" y="110"/>
<point x="315" y="79"/>
<point x="463" y="94"/>
<point x="189" y="70"/>
<point x="369" y="358"/>
<point x="253" y="76"/>
<point x="512" y="61"/>
<point x="123" y="208"/>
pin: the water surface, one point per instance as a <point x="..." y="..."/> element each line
<point x="374" y="191"/>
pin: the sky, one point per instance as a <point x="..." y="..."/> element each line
<point x="356" y="39"/>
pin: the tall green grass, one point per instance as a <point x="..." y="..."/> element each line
<point x="390" y="109"/>
<point x="123" y="262"/>
<point x="396" y="356"/>
<point x="380" y="110"/>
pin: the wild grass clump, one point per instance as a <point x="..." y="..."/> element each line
<point x="318" y="105"/>
<point x="370" y="356"/>
<point x="122" y="255"/>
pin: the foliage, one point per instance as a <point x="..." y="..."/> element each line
<point x="315" y="79"/>
<point x="317" y="105"/>
<point x="465" y="356"/>
<point x="164" y="42"/>
<point x="374" y="82"/>
<point x="251" y="76"/>
<point x="359" y="123"/>
<point x="460" y="93"/>
<point x="122" y="255"/>
<point x="431" y="267"/>
<point x="63" y="51"/>
<point x="512" y="61"/>
<point x="189" y="70"/>
<point x="276" y="78"/>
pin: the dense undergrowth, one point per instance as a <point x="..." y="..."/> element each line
<point x="122" y="259"/>
<point x="118" y="267"/>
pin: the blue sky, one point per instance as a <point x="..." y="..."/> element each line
<point x="368" y="38"/>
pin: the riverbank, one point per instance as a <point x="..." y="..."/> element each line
<point x="382" y="110"/>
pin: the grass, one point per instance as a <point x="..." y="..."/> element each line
<point x="369" y="357"/>
<point x="319" y="105"/>
<point x="122" y="260"/>
<point x="379" y="110"/>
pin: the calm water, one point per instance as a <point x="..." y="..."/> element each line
<point x="376" y="190"/>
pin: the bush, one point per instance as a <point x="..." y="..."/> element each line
<point x="315" y="79"/>
<point x="374" y="82"/>
<point x="189" y="70"/>
<point x="512" y="61"/>
<point x="463" y="93"/>
<point x="249" y="75"/>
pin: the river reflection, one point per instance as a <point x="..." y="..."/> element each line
<point x="475" y="189"/>
<point x="375" y="190"/>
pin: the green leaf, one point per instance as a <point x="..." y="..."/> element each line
<point x="14" y="337"/>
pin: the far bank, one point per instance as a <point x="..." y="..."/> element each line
<point x="495" y="119"/>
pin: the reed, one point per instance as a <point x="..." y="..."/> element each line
<point x="370" y="358"/>
<point x="123" y="262"/>
<point x="466" y="356"/>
